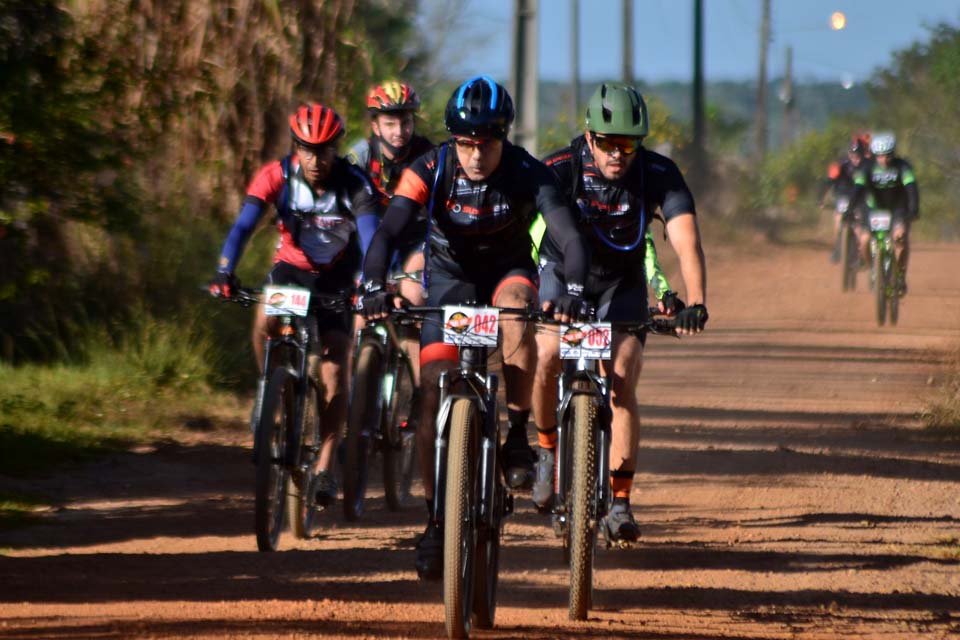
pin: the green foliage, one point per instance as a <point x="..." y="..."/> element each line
<point x="128" y="131"/>
<point x="918" y="98"/>
<point x="124" y="388"/>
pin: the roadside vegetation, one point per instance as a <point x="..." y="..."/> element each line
<point x="943" y="413"/>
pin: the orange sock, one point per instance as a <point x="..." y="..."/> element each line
<point x="547" y="439"/>
<point x="621" y="482"/>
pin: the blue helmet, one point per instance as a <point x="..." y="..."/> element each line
<point x="479" y="107"/>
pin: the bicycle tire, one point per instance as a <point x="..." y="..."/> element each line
<point x="893" y="312"/>
<point x="848" y="258"/>
<point x="583" y="505"/>
<point x="361" y="421"/>
<point x="880" y="286"/>
<point x="276" y="416"/>
<point x="300" y="511"/>
<point x="396" y="446"/>
<point x="486" y="574"/>
<point x="459" y="541"/>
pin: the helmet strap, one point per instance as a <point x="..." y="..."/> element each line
<point x="398" y="153"/>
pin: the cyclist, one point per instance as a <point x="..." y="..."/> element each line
<point x="617" y="185"/>
<point x="888" y="182"/>
<point x="840" y="176"/>
<point x="390" y="148"/>
<point x="319" y="198"/>
<point x="484" y="191"/>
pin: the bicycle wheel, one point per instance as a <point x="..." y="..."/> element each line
<point x="300" y="511"/>
<point x="583" y="505"/>
<point x="893" y="312"/>
<point x="880" y="286"/>
<point x="488" y="567"/>
<point x="361" y="427"/>
<point x="459" y="532"/>
<point x="398" y="445"/>
<point x="848" y="258"/>
<point x="276" y="420"/>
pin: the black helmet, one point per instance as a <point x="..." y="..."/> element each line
<point x="479" y="107"/>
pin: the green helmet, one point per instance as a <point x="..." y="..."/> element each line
<point x="617" y="109"/>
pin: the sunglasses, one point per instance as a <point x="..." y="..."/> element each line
<point x="321" y="152"/>
<point x="474" y="144"/>
<point x="609" y="144"/>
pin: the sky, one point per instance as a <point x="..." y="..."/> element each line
<point x="663" y="40"/>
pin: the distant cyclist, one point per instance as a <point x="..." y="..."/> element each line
<point x="888" y="182"/>
<point x="391" y="147"/>
<point x="320" y="198"/>
<point x="840" y="176"/>
<point x="618" y="186"/>
<point x="485" y="192"/>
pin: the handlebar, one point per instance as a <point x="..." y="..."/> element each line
<point x="247" y="296"/>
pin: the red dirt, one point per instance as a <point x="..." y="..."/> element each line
<point x="786" y="489"/>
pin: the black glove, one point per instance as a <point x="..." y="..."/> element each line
<point x="376" y="301"/>
<point x="224" y="284"/>
<point x="572" y="304"/>
<point x="692" y="318"/>
<point x="671" y="303"/>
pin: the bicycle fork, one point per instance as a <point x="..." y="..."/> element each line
<point x="486" y="509"/>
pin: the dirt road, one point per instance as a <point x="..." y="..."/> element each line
<point x="785" y="490"/>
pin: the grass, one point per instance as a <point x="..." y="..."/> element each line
<point x="943" y="414"/>
<point x="17" y="509"/>
<point x="120" y="394"/>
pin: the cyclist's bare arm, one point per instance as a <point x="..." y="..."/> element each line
<point x="684" y="235"/>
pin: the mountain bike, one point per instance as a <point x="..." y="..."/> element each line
<point x="885" y="269"/>
<point x="287" y="410"/>
<point x="849" y="255"/>
<point x="378" y="420"/>
<point x="471" y="499"/>
<point x="582" y="469"/>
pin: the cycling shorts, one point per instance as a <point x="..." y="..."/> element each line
<point x="339" y="277"/>
<point x="450" y="284"/>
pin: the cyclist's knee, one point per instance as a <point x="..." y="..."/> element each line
<point x="548" y="354"/>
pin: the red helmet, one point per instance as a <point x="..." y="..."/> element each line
<point x="392" y="96"/>
<point x="313" y="125"/>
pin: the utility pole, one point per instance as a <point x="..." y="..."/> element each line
<point x="786" y="95"/>
<point x="699" y="145"/>
<point x="761" y="115"/>
<point x="525" y="79"/>
<point x="627" y="22"/>
<point x="574" y="65"/>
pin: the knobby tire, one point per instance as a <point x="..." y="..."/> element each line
<point x="880" y="284"/>
<point x="582" y="500"/>
<point x="361" y="428"/>
<point x="459" y="542"/>
<point x="398" y="456"/>
<point x="300" y="511"/>
<point x="848" y="257"/>
<point x="276" y="419"/>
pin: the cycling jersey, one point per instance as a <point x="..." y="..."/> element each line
<point x="613" y="215"/>
<point x="893" y="187"/>
<point x="477" y="223"/>
<point x="841" y="176"/>
<point x="384" y="172"/>
<point x="316" y="229"/>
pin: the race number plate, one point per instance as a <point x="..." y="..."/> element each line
<point x="286" y="301"/>
<point x="471" y="326"/>
<point x="880" y="220"/>
<point x="843" y="204"/>
<point x="586" y="340"/>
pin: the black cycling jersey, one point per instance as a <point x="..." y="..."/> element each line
<point x="475" y="223"/>
<point x="384" y="172"/>
<point x="893" y="187"/>
<point x="841" y="177"/>
<point x="613" y="215"/>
